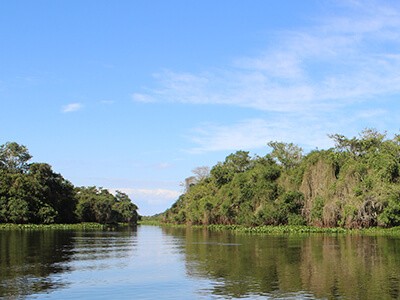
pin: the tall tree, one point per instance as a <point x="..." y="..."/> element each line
<point x="14" y="157"/>
<point x="127" y="211"/>
<point x="99" y="205"/>
<point x="369" y="140"/>
<point x="201" y="172"/>
<point x="55" y="191"/>
<point x="288" y="154"/>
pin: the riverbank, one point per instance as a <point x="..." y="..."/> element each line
<point x="293" y="229"/>
<point x="77" y="226"/>
<point x="280" y="229"/>
<point x="283" y="229"/>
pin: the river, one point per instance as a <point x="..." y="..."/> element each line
<point x="151" y="262"/>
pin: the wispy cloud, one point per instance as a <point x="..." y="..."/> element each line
<point x="107" y="102"/>
<point x="256" y="133"/>
<point x="72" y="107"/>
<point x="163" y="166"/>
<point x="150" y="196"/>
<point x="323" y="76"/>
<point x="319" y="68"/>
<point x="137" y="97"/>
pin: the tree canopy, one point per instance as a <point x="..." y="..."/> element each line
<point x="355" y="184"/>
<point x="14" y="157"/>
<point x="34" y="193"/>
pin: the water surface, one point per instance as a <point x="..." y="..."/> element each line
<point x="175" y="263"/>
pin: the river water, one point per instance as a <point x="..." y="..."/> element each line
<point x="151" y="262"/>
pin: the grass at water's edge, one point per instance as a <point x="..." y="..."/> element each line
<point x="78" y="226"/>
<point x="282" y="229"/>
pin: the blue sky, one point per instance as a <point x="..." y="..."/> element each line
<point x="133" y="95"/>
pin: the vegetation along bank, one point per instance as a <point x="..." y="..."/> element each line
<point x="356" y="184"/>
<point x="34" y="193"/>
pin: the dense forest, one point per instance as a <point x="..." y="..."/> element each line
<point x="34" y="193"/>
<point x="355" y="184"/>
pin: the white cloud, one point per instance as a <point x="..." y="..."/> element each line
<point x="327" y="78"/>
<point x="107" y="102"/>
<point x="163" y="166"/>
<point x="256" y="133"/>
<point x="150" y="200"/>
<point x="337" y="62"/>
<point x="142" y="98"/>
<point x="72" y="107"/>
<point x="371" y="113"/>
<point x="151" y="196"/>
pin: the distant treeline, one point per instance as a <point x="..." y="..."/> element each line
<point x="33" y="193"/>
<point x="356" y="184"/>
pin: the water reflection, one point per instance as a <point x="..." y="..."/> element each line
<point x="27" y="258"/>
<point x="312" y="266"/>
<point x="177" y="263"/>
<point x="33" y="262"/>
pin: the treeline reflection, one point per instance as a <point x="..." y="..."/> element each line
<point x="27" y="258"/>
<point x="33" y="262"/>
<point x="313" y="266"/>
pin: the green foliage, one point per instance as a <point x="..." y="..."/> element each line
<point x="99" y="205"/>
<point x="37" y="195"/>
<point x="317" y="209"/>
<point x="289" y="155"/>
<point x="14" y="157"/>
<point x="292" y="201"/>
<point x="33" y="193"/>
<point x="125" y="209"/>
<point x="236" y="192"/>
<point x="354" y="185"/>
<point x="238" y="162"/>
<point x="18" y="211"/>
<point x="391" y="213"/>
<point x="55" y="192"/>
<point x="76" y="226"/>
<point x="47" y="214"/>
<point x="296" y="220"/>
<point x="369" y="141"/>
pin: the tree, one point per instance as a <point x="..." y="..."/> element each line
<point x="239" y="161"/>
<point x="23" y="199"/>
<point x="99" y="205"/>
<point x="103" y="208"/>
<point x="201" y="172"/>
<point x="370" y="140"/>
<point x="14" y="157"/>
<point x="56" y="193"/>
<point x="18" y="210"/>
<point x="221" y="174"/>
<point x="34" y="193"/>
<point x="86" y="196"/>
<point x="127" y="211"/>
<point x="47" y="214"/>
<point x="289" y="155"/>
<point x="234" y="163"/>
<point x="94" y="205"/>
